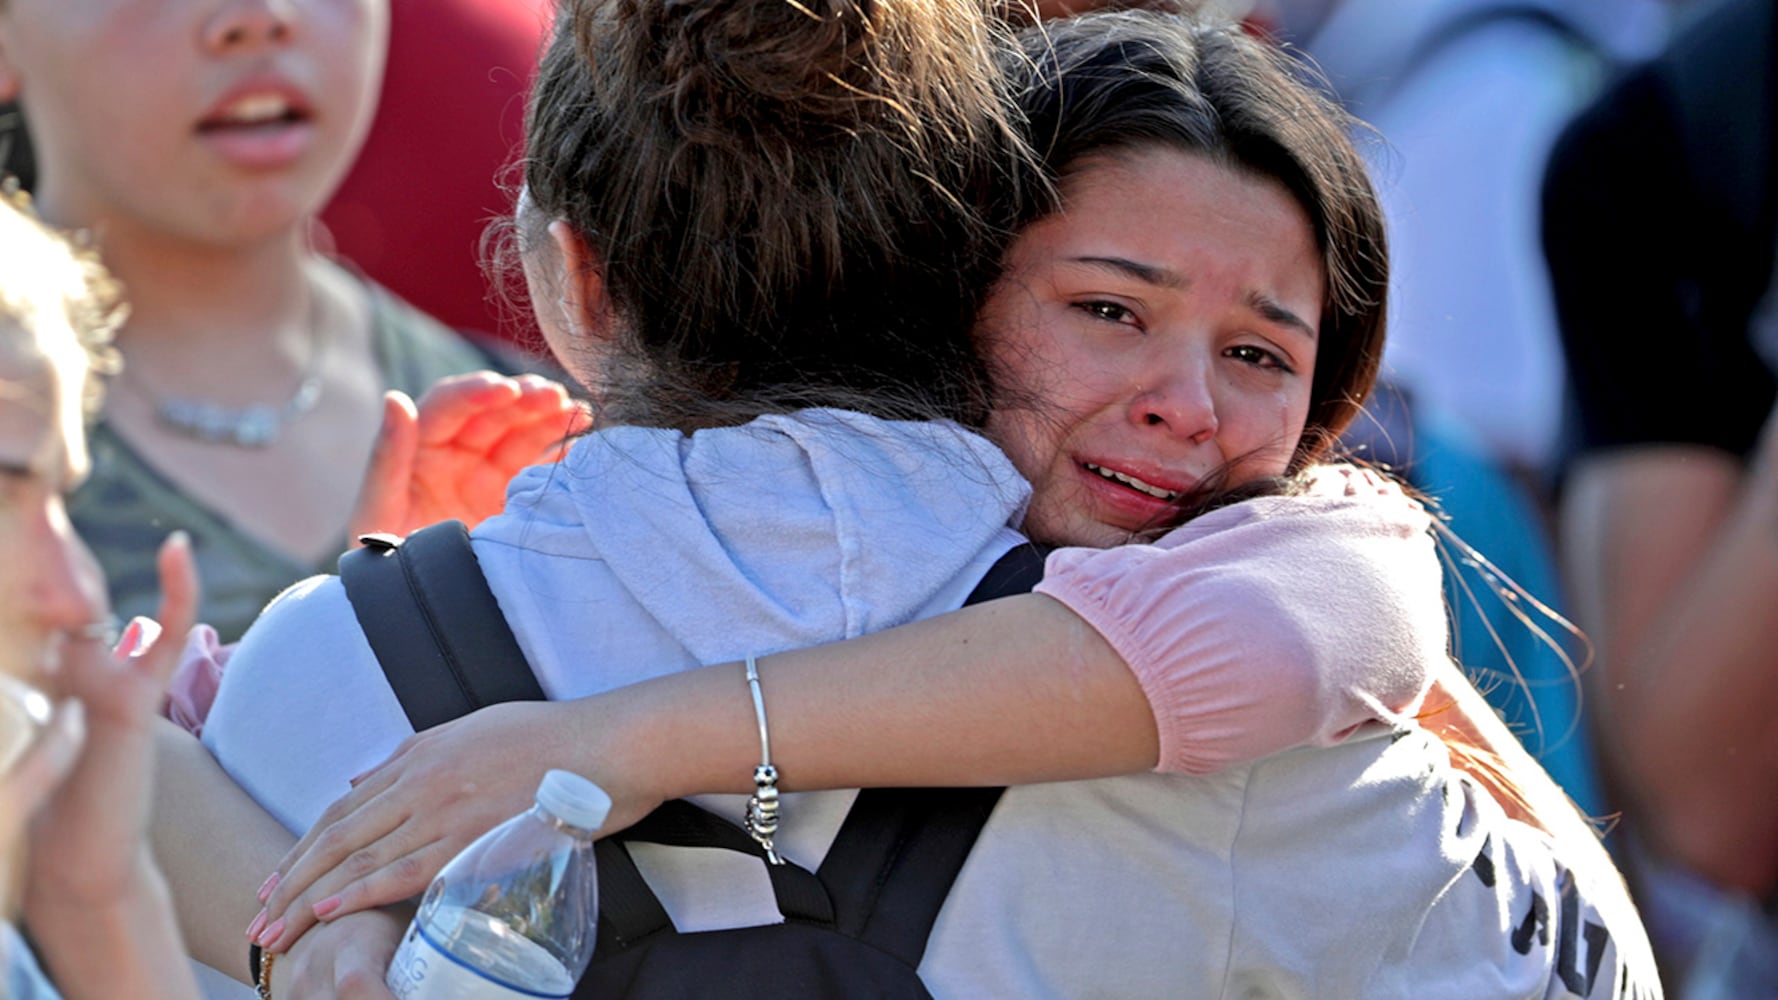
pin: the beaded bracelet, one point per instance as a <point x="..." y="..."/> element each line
<point x="263" y="986"/>
<point x="762" y="807"/>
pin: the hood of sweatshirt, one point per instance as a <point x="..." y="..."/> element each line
<point x="786" y="531"/>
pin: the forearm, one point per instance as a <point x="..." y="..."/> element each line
<point x="215" y="845"/>
<point x="1694" y="719"/>
<point x="128" y="947"/>
<point x="1683" y="600"/>
<point x="1009" y="692"/>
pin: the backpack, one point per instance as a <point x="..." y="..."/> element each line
<point x="855" y="928"/>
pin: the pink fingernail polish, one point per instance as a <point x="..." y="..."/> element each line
<point x="132" y="636"/>
<point x="325" y="908"/>
<point x="271" y="882"/>
<point x="253" y="928"/>
<point x="271" y="933"/>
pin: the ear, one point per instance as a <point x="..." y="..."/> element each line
<point x="581" y="279"/>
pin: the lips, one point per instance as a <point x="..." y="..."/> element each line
<point x="262" y="123"/>
<point x="1130" y="496"/>
<point x="1139" y="485"/>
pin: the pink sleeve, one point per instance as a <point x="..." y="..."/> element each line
<point x="193" y="688"/>
<point x="1271" y="624"/>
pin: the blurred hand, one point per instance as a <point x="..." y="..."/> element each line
<point x="453" y="454"/>
<point x="30" y="781"/>
<point x="403" y="821"/>
<point x="87" y="840"/>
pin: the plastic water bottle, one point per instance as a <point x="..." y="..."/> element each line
<point x="515" y="914"/>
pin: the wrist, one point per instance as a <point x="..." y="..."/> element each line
<point x="134" y="929"/>
<point x="688" y="733"/>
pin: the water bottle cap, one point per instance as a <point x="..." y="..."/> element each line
<point x="573" y="799"/>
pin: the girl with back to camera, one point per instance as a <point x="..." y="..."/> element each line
<point x="197" y="138"/>
<point x="1278" y="351"/>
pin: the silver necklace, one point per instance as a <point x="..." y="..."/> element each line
<point x="254" y="426"/>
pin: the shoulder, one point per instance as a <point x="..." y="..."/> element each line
<point x="1460" y="900"/>
<point x="1569" y="928"/>
<point x="304" y="659"/>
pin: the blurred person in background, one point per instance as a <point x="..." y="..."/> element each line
<point x="1659" y="227"/>
<point x="411" y="211"/>
<point x="259" y="370"/>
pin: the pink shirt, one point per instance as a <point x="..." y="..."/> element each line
<point x="1273" y="623"/>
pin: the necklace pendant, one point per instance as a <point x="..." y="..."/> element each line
<point x="248" y="427"/>
<point x="257" y="427"/>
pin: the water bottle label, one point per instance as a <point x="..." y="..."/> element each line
<point x="423" y="971"/>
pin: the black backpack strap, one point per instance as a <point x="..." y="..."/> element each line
<point x="1016" y="572"/>
<point x="434" y="625"/>
<point x="895" y="859"/>
<point x="900" y="850"/>
<point x="629" y="911"/>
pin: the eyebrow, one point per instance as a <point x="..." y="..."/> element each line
<point x="1269" y="308"/>
<point x="1161" y="277"/>
<point x="1148" y="274"/>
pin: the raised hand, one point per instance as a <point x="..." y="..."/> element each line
<point x="87" y="841"/>
<point x="91" y="887"/>
<point x="452" y="455"/>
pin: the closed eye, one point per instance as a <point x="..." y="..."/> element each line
<point x="1257" y="356"/>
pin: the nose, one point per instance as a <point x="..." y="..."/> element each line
<point x="66" y="589"/>
<point x="248" y="25"/>
<point x="1178" y="400"/>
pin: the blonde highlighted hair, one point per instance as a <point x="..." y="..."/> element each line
<point x="50" y="282"/>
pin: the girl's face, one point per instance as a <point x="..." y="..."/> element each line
<point x="50" y="584"/>
<point x="219" y="122"/>
<point x="1160" y="327"/>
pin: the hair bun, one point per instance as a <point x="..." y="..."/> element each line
<point x="792" y="200"/>
<point x="799" y="71"/>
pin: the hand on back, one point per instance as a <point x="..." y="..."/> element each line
<point x="403" y="821"/>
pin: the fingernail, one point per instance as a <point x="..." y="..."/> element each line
<point x="258" y="922"/>
<point x="126" y="644"/>
<point x="325" y="908"/>
<point x="271" y="933"/>
<point x="356" y="778"/>
<point x="271" y="882"/>
<point x="141" y="634"/>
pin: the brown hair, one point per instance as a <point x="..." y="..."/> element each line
<point x="790" y="202"/>
<point x="1104" y="83"/>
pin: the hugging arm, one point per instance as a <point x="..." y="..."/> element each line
<point x="1136" y="667"/>
<point x="1044" y="698"/>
